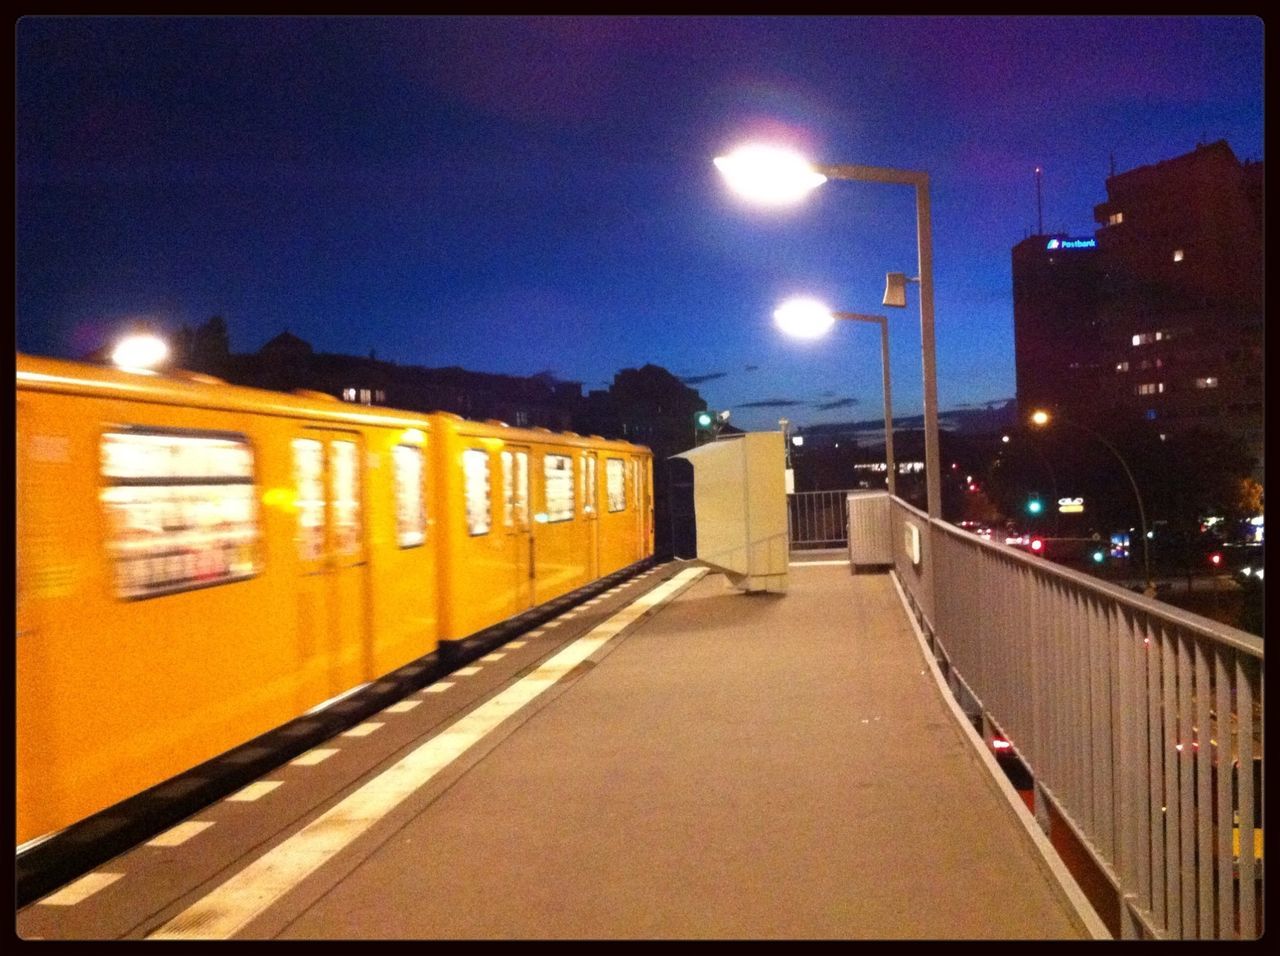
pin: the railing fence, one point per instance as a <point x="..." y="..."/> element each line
<point x="1140" y="723"/>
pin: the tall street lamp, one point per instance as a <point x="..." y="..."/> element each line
<point x="808" y="318"/>
<point x="1041" y="418"/>
<point x="777" y="176"/>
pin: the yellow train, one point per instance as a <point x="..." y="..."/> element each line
<point x="199" y="563"/>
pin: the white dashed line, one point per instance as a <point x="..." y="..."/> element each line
<point x="81" y="889"/>
<point x="180" y="834"/>
<point x="538" y="633"/>
<point x="495" y="656"/>
<point x="466" y="671"/>
<point x="362" y="730"/>
<point x="403" y="706"/>
<point x="254" y="791"/>
<point x="515" y="645"/>
<point x="438" y="688"/>
<point x="250" y="892"/>
<point x="313" y="757"/>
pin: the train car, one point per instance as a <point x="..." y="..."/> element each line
<point x="199" y="563"/>
<point x="529" y="515"/>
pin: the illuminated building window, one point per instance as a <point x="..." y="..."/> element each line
<point x="1208" y="382"/>
<point x="379" y="396"/>
<point x="1177" y="255"/>
<point x="348" y="394"/>
<point x="1122" y="366"/>
<point x="522" y="418"/>
<point x="1150" y="388"/>
<point x="1115" y="219"/>
<point x="1146" y="338"/>
<point x="365" y="396"/>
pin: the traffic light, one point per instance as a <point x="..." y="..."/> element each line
<point x="1037" y="545"/>
<point x="703" y="421"/>
<point x="1215" y="559"/>
<point x="1099" y="556"/>
<point x="1034" y="506"/>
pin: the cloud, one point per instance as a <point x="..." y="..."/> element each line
<point x="751" y="368"/>
<point x="699" y="379"/>
<point x="838" y="403"/>
<point x="771" y="403"/>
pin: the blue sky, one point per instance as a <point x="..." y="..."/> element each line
<point x="520" y="195"/>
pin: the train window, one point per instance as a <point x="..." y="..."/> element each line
<point x="515" y="488"/>
<point x="308" y="480"/>
<point x="410" y="512"/>
<point x="181" y="509"/>
<point x="589" y="481"/>
<point x="558" y="470"/>
<point x="475" y="471"/>
<point x="345" y="496"/>
<point x="615" y="476"/>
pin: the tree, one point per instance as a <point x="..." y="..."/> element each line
<point x="206" y="349"/>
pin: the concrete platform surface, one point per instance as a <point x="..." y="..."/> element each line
<point x="729" y="766"/>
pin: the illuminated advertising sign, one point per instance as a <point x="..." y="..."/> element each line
<point x="1055" y="244"/>
<point x="1068" y="506"/>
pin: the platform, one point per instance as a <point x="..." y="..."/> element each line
<point x="725" y="765"/>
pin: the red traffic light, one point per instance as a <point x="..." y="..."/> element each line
<point x="1037" y="545"/>
<point x="1216" y="559"/>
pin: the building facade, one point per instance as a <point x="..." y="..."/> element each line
<point x="1159" y="314"/>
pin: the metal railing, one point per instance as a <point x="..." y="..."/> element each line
<point x="1140" y="723"/>
<point x="817" y="519"/>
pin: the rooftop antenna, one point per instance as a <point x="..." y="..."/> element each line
<point x="1039" y="206"/>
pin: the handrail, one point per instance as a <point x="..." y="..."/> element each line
<point x="1110" y="699"/>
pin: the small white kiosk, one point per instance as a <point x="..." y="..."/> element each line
<point x="740" y="508"/>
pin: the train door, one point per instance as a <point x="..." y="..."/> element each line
<point x="591" y="512"/>
<point x="516" y="523"/>
<point x="640" y="501"/>
<point x="331" y="551"/>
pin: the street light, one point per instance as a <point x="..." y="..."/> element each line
<point x="803" y="316"/>
<point x="776" y="176"/>
<point x="140" y="350"/>
<point x="1041" y="418"/>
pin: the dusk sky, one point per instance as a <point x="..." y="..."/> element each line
<point x="520" y="195"/>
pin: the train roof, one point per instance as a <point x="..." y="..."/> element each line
<point x="203" y="391"/>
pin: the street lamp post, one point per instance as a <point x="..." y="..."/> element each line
<point x="806" y="317"/>
<point x="1042" y="418"/>
<point x="780" y="176"/>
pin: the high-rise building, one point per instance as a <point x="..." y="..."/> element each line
<point x="1159" y="313"/>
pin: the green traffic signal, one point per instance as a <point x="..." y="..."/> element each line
<point x="1099" y="556"/>
<point x="1034" y="506"/>
<point x="703" y="420"/>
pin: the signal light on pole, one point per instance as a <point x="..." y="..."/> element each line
<point x="1216" y="559"/>
<point x="703" y="420"/>
<point x="1037" y="545"/>
<point x="1099" y="556"/>
<point x="1034" y="506"/>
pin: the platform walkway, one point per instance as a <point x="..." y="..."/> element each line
<point x="728" y="766"/>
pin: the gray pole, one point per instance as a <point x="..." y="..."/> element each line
<point x="924" y="239"/>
